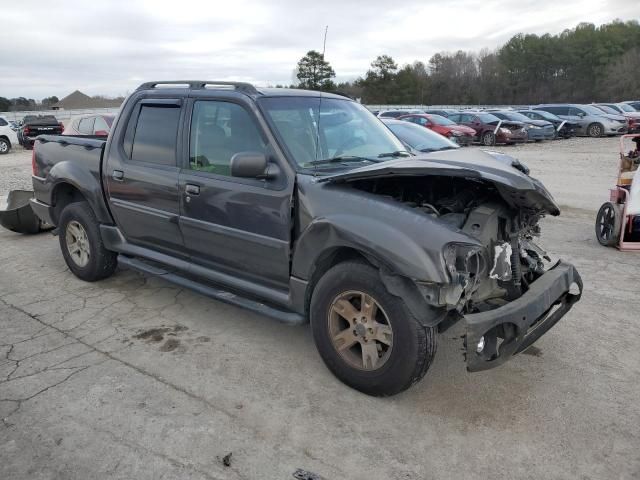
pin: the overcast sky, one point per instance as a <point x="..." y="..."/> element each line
<point x="110" y="46"/>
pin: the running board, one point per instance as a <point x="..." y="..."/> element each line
<point x="290" y="318"/>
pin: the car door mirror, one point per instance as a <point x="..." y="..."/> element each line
<point x="250" y="165"/>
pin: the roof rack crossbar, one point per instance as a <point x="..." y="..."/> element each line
<point x="202" y="84"/>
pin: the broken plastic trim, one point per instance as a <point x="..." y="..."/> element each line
<point x="16" y="213"/>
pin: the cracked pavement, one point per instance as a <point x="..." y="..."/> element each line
<point x="133" y="377"/>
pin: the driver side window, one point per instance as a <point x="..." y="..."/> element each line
<point x="219" y="130"/>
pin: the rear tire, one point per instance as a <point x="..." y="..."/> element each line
<point x="609" y="224"/>
<point x="595" y="130"/>
<point x="81" y="244"/>
<point x="377" y="322"/>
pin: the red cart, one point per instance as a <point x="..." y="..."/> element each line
<point x="615" y="226"/>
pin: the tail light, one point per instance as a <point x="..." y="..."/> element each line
<point x="34" y="165"/>
<point x="26" y="131"/>
<point x="61" y="127"/>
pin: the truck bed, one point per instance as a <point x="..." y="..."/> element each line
<point x="63" y="158"/>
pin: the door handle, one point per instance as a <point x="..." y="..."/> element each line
<point x="192" y="189"/>
<point x="117" y="175"/>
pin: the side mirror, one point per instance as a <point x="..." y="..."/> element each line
<point x="251" y="165"/>
<point x="581" y="114"/>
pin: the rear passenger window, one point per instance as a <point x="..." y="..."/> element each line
<point x="219" y="130"/>
<point x="156" y="134"/>
<point x="3" y="123"/>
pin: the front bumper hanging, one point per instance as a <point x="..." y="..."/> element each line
<point x="510" y="329"/>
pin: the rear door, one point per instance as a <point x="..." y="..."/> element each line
<point x="240" y="226"/>
<point x="141" y="176"/>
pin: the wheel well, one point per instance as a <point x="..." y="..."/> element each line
<point x="4" y="137"/>
<point x="63" y="195"/>
<point x="325" y="262"/>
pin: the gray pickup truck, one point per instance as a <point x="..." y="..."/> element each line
<point x="304" y="206"/>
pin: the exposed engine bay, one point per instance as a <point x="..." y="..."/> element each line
<point x="503" y="261"/>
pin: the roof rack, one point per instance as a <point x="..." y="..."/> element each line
<point x="201" y="85"/>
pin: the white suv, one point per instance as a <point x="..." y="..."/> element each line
<point x="8" y="137"/>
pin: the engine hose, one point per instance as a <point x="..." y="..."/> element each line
<point x="516" y="268"/>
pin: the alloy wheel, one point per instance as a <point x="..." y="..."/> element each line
<point x="360" y="330"/>
<point x="77" y="243"/>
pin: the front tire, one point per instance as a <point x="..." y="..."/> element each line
<point x="366" y="336"/>
<point x="595" y="130"/>
<point x="81" y="244"/>
<point x="488" y="139"/>
<point x="609" y="224"/>
<point x="5" y="146"/>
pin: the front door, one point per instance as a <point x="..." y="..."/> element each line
<point x="240" y="226"/>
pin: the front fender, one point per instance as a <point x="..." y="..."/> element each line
<point x="398" y="252"/>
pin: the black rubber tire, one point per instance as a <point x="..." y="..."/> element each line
<point x="5" y="146"/>
<point x="414" y="346"/>
<point x="102" y="262"/>
<point x="488" y="139"/>
<point x="595" y="130"/>
<point x="611" y="213"/>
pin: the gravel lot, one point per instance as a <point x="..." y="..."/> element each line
<point x="135" y="378"/>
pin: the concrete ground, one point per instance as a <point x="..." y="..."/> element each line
<point x="132" y="377"/>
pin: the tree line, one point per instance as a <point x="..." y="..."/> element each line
<point x="21" y="104"/>
<point x="581" y="65"/>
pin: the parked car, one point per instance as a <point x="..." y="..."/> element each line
<point x="443" y="112"/>
<point x="8" y="137"/>
<point x="491" y="129"/>
<point x="634" y="104"/>
<point x="417" y="138"/>
<point x="96" y="125"/>
<point x="627" y="111"/>
<point x="330" y="221"/>
<point x="537" y="130"/>
<point x="590" y="121"/>
<point x="459" y="134"/>
<point x="34" y="125"/>
<point x="563" y="128"/>
<point x="397" y="113"/>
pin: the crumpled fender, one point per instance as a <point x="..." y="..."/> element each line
<point x="390" y="247"/>
<point x="401" y="260"/>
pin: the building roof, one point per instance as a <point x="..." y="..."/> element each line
<point x="79" y="100"/>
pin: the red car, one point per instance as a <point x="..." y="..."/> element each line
<point x="460" y="134"/>
<point x="95" y="125"/>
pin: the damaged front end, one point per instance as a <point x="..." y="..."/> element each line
<point x="502" y="284"/>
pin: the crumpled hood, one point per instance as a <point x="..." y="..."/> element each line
<point x="504" y="172"/>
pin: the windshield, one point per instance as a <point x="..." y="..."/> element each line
<point x="608" y="109"/>
<point x="314" y="130"/>
<point x="547" y="115"/>
<point x="626" y="108"/>
<point x="590" y="109"/>
<point x="420" y="138"/>
<point x="518" y="117"/>
<point x="440" y="120"/>
<point x="488" y="118"/>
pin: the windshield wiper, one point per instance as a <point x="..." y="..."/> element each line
<point x="397" y="153"/>
<point x="341" y="159"/>
<point x="440" y="149"/>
